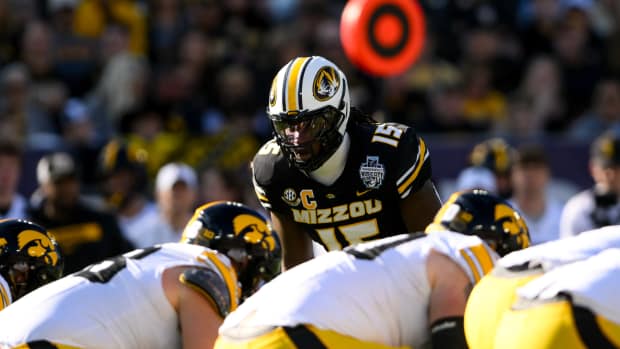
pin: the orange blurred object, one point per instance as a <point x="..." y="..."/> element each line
<point x="382" y="37"/>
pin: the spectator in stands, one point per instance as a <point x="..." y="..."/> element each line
<point x="12" y="203"/>
<point x="73" y="55"/>
<point x="540" y="93"/>
<point x="121" y="88"/>
<point x="219" y="184"/>
<point x="166" y="25"/>
<point x="604" y="113"/>
<point x="578" y="54"/>
<point x="537" y="25"/>
<point x="176" y="187"/>
<point x="483" y="105"/>
<point x="446" y="109"/>
<point x="114" y="40"/>
<point x="92" y="17"/>
<point x="498" y="156"/>
<point x="124" y="181"/>
<point x="84" y="234"/>
<point x="598" y="206"/>
<point x="531" y="175"/>
<point x="16" y="109"/>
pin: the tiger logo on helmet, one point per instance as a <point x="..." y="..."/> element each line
<point x="242" y="234"/>
<point x="29" y="256"/>
<point x="478" y="212"/>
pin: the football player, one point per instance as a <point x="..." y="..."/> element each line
<point x="29" y="258"/>
<point x="556" y="295"/>
<point x="333" y="175"/>
<point x="164" y="296"/>
<point x="403" y="291"/>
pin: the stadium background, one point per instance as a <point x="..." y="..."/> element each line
<point x="188" y="80"/>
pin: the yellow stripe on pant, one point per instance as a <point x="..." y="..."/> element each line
<point x="280" y="338"/>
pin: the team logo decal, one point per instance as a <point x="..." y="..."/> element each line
<point x="326" y="84"/>
<point x="290" y="197"/>
<point x="38" y="245"/>
<point x="254" y="230"/>
<point x="372" y="172"/>
<point x="272" y="93"/>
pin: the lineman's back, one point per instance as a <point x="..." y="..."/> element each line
<point x="377" y="291"/>
<point x="117" y="303"/>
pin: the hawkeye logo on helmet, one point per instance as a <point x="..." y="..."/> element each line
<point x="38" y="245"/>
<point x="326" y="84"/>
<point x="254" y="231"/>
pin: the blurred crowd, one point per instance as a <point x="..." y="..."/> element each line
<point x="157" y="105"/>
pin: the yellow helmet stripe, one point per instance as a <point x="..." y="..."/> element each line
<point x="293" y="82"/>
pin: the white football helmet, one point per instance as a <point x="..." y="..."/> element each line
<point x="309" y="107"/>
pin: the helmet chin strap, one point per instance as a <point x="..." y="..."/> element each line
<point x="331" y="169"/>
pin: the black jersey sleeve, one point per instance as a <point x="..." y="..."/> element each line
<point x="265" y="172"/>
<point x="414" y="163"/>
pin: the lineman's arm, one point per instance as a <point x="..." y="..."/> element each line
<point x="450" y="288"/>
<point x="296" y="244"/>
<point x="419" y="208"/>
<point x="198" y="318"/>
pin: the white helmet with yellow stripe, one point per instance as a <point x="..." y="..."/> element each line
<point x="309" y="108"/>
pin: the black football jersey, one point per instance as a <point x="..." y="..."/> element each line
<point x="386" y="163"/>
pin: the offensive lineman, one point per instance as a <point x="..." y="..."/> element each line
<point x="386" y="293"/>
<point x="333" y="175"/>
<point x="558" y="295"/>
<point x="29" y="258"/>
<point x="163" y="296"/>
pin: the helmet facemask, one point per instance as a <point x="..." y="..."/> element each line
<point x="309" y="138"/>
<point x="26" y="276"/>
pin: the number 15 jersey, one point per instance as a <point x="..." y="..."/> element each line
<point x="117" y="303"/>
<point x="386" y="163"/>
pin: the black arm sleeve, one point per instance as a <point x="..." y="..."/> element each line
<point x="448" y="333"/>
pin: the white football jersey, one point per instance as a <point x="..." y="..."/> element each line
<point x="118" y="303"/>
<point x="592" y="283"/>
<point x="377" y="291"/>
<point x="558" y="252"/>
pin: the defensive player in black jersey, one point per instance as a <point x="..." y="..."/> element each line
<point x="332" y="174"/>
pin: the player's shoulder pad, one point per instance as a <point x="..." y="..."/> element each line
<point x="210" y="284"/>
<point x="268" y="163"/>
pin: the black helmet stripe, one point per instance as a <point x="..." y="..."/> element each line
<point x="284" y="83"/>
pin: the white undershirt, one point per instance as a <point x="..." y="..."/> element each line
<point x="329" y="172"/>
